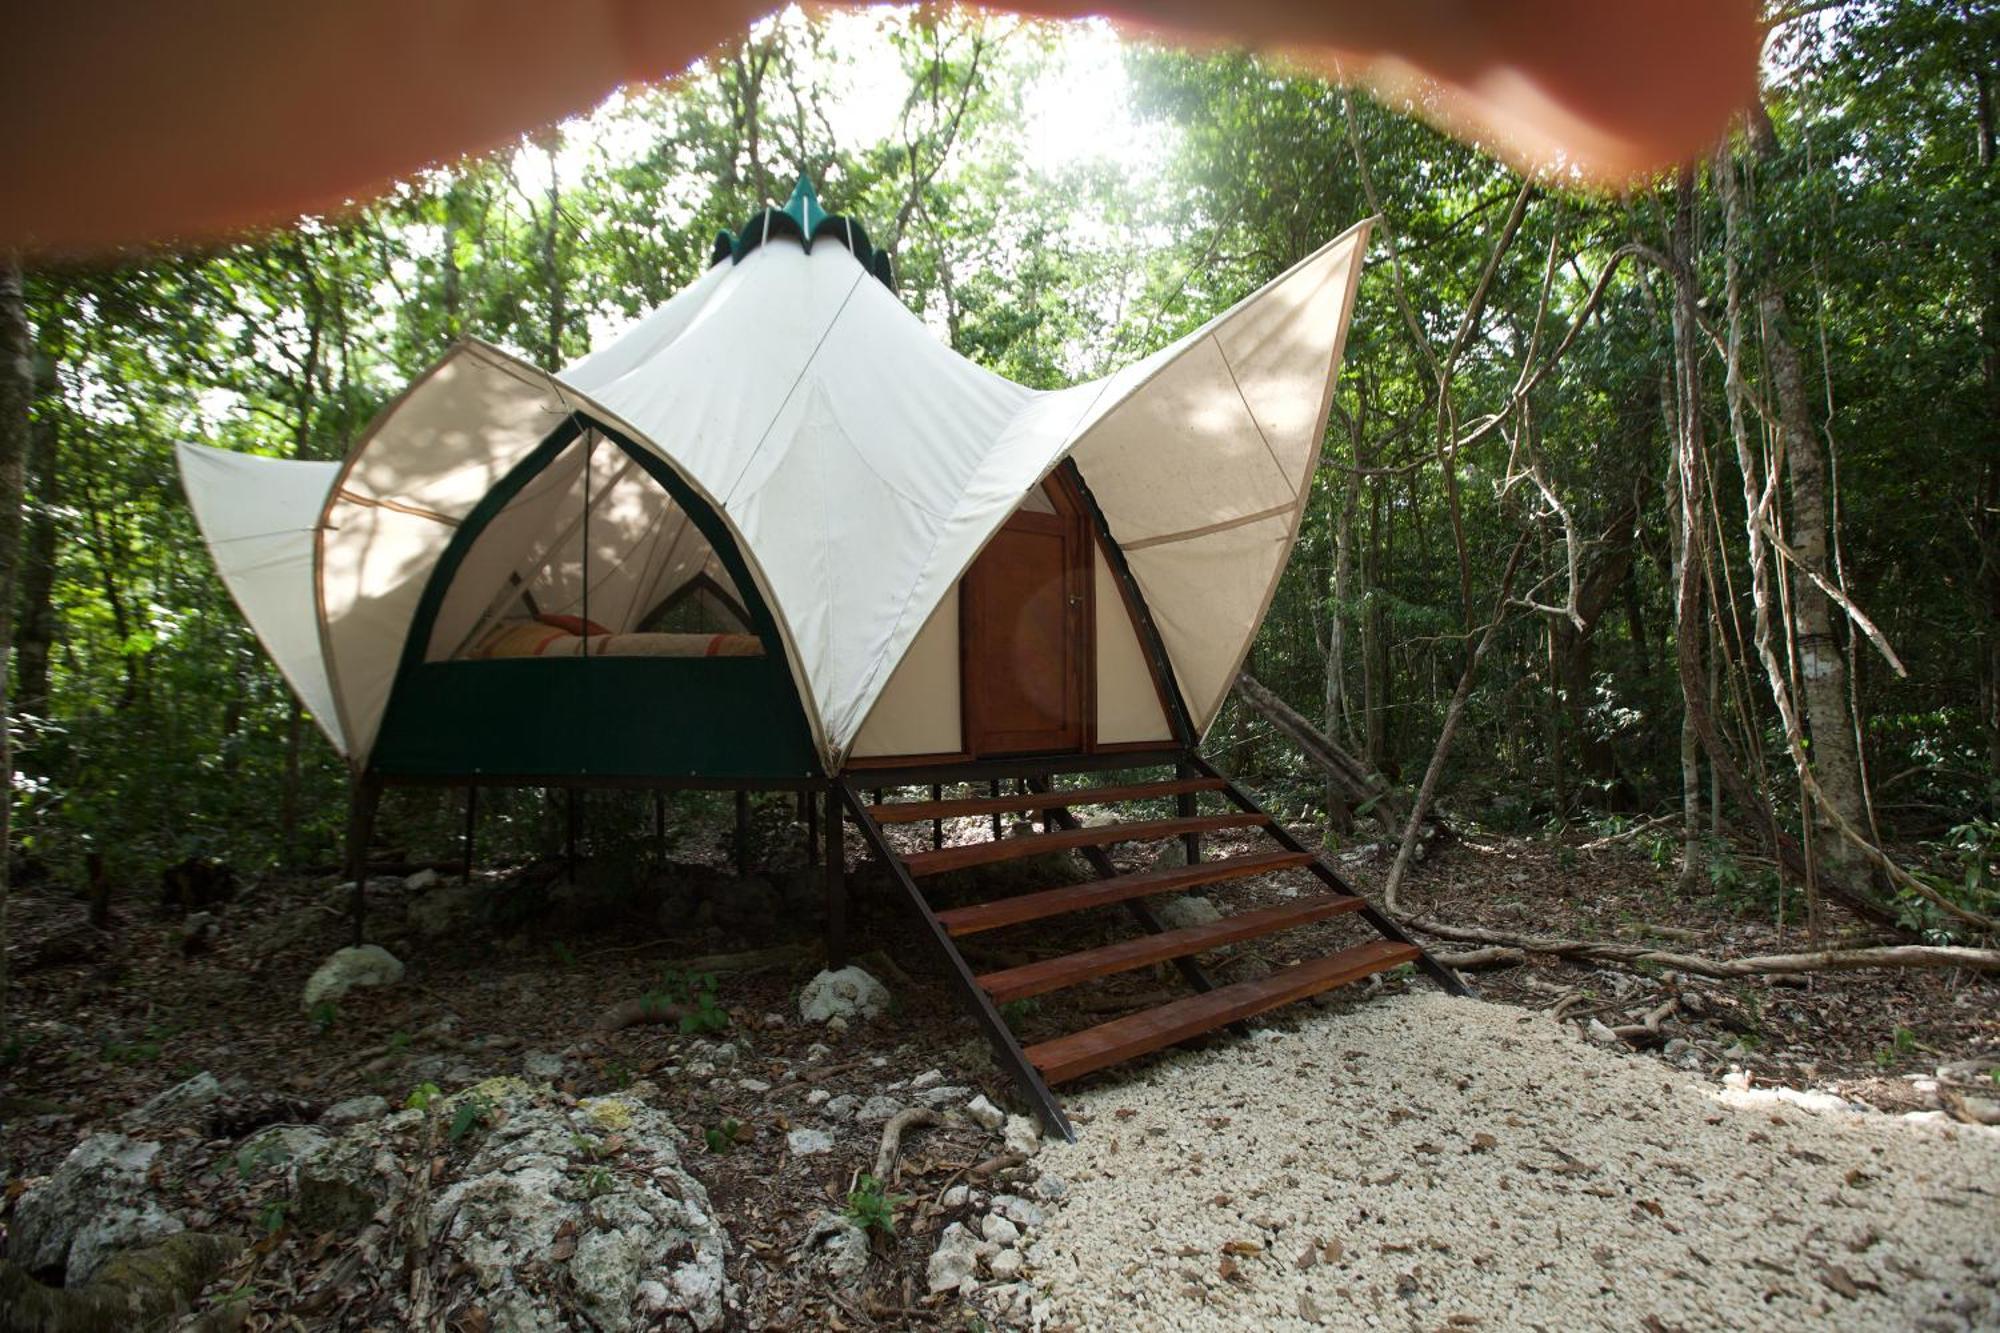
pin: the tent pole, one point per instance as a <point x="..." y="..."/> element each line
<point x="742" y="832"/>
<point x="471" y="827"/>
<point x="360" y="829"/>
<point x="836" y="882"/>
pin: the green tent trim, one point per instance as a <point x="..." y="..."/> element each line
<point x="805" y="221"/>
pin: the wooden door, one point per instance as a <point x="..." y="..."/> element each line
<point x="1024" y="609"/>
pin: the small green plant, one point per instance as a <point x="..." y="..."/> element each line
<point x="324" y="1015"/>
<point x="693" y="995"/>
<point x="473" y="1111"/>
<point x="871" y="1208"/>
<point x="421" y="1097"/>
<point x="720" y="1138"/>
<point x="1884" y="1057"/>
<point x="618" y="1074"/>
<point x="1402" y="972"/>
<point x="398" y="1042"/>
<point x="272" y="1219"/>
<point x="588" y="1147"/>
<point x="1017" y="1012"/>
<point x="597" y="1182"/>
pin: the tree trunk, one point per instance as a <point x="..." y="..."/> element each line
<point x="1682" y="410"/>
<point x="16" y="390"/>
<point x="35" y="634"/>
<point x="1822" y="666"/>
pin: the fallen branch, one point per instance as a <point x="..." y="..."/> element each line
<point x="1823" y="960"/>
<point x="892" y="1137"/>
<point x="750" y="960"/>
<point x="631" y="1013"/>
<point x="1361" y="786"/>
<point x="1479" y="959"/>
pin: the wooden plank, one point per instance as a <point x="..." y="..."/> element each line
<point x="1103" y="892"/>
<point x="915" y="812"/>
<point x="1017" y="983"/>
<point x="1013" y="849"/>
<point x="1121" y="1039"/>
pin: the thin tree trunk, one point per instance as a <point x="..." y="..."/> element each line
<point x="1682" y="410"/>
<point x="1836" y="757"/>
<point x="17" y="389"/>
<point x="35" y="631"/>
<point x="1427" y="791"/>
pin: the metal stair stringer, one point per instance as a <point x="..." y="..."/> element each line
<point x="978" y="1003"/>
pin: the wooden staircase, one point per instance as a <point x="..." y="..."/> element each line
<point x="1096" y="1046"/>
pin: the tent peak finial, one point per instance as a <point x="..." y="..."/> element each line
<point x="803" y="219"/>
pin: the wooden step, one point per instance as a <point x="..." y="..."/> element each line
<point x="1012" y="849"/>
<point x="1121" y="1039"/>
<point x="912" y="812"/>
<point x="1017" y="983"/>
<point x="1103" y="892"/>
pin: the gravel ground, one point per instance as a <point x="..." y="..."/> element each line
<point x="1428" y="1163"/>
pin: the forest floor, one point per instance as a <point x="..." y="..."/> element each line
<point x="108" y="1021"/>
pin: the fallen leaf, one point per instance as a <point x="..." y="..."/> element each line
<point x="1242" y="1247"/>
<point x="1484" y="1142"/>
<point x="1307" y="1258"/>
<point x="1227" y="1269"/>
<point x="1330" y="1252"/>
<point x="1307" y="1310"/>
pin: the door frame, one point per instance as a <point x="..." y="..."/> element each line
<point x="1079" y="606"/>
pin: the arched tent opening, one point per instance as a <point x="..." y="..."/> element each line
<point x="535" y="649"/>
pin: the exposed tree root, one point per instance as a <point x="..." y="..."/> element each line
<point x="892" y="1137"/>
<point x="631" y="1013"/>
<point x="1823" y="960"/>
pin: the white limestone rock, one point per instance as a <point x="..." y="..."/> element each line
<point x="93" y="1205"/>
<point x="849" y="993"/>
<point x="985" y="1113"/>
<point x="363" y="965"/>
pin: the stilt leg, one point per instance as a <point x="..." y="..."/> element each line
<point x="360" y="831"/>
<point x="660" y="825"/>
<point x="1186" y="806"/>
<point x="471" y="827"/>
<point x="836" y="883"/>
<point x="993" y="788"/>
<point x="937" y="825"/>
<point x="742" y="833"/>
<point x="573" y="832"/>
<point x="809" y="803"/>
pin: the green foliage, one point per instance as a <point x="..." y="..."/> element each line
<point x="422" y="1096"/>
<point x="272" y="1219"/>
<point x="1017" y="1012"/>
<point x="323" y="1016"/>
<point x="1969" y="855"/>
<point x="473" y="1111"/>
<point x="691" y="993"/>
<point x="597" y="1182"/>
<point x="726" y="1134"/>
<point x="871" y="1208"/>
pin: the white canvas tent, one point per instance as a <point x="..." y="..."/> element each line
<point x="855" y="465"/>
